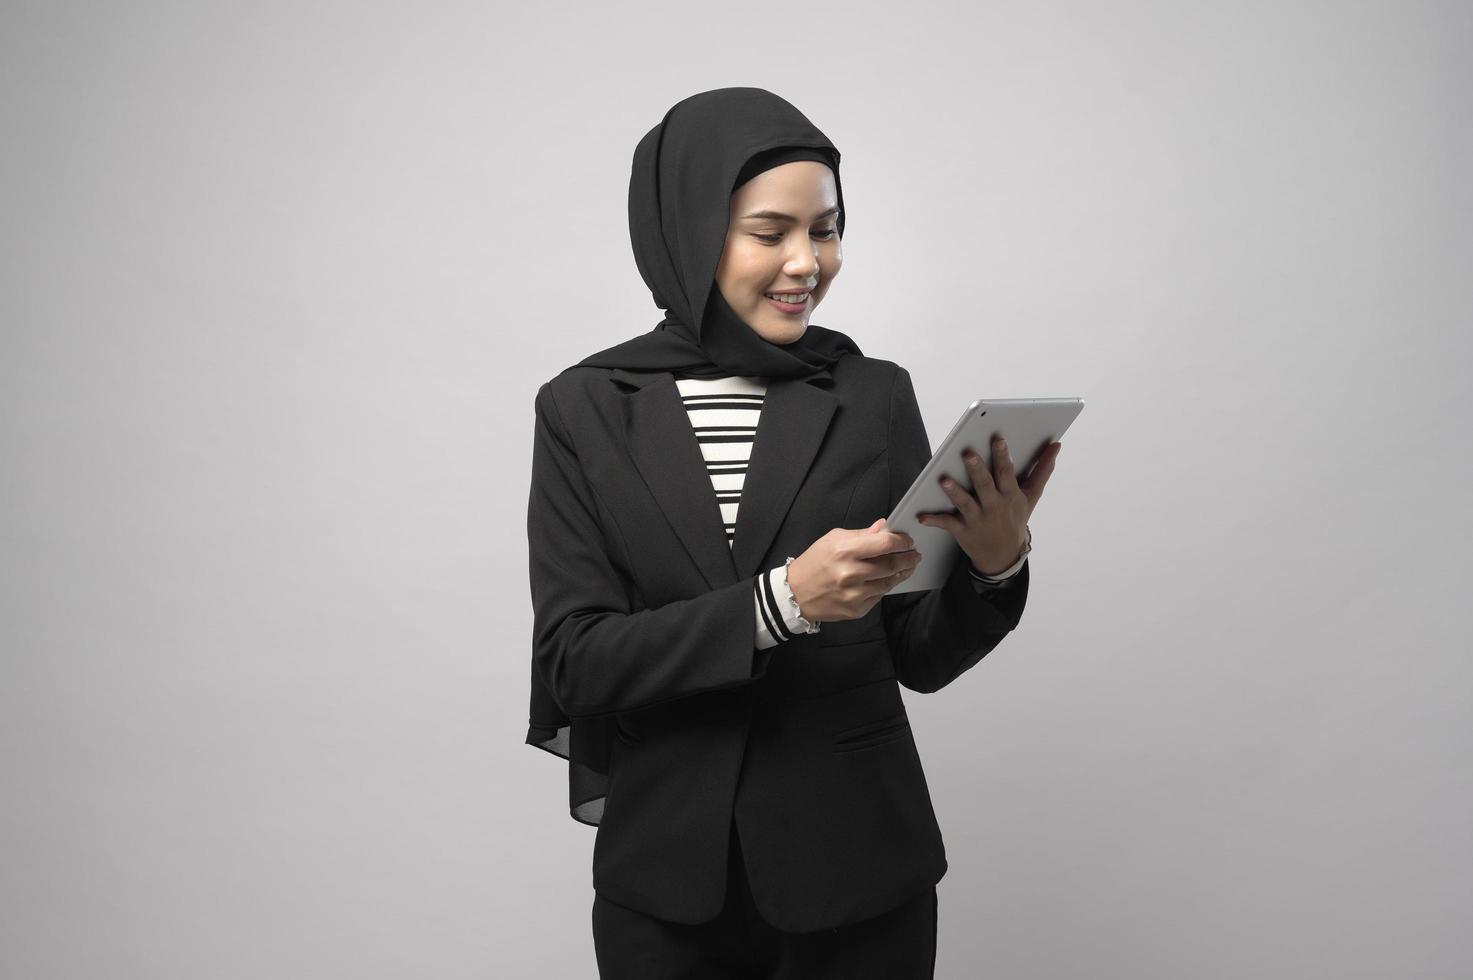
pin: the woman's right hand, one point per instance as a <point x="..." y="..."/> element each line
<point x="844" y="573"/>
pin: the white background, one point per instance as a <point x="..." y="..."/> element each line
<point x="280" y="282"/>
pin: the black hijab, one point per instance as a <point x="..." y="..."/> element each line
<point x="680" y="187"/>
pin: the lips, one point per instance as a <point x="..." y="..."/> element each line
<point x="789" y="309"/>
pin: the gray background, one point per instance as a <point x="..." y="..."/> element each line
<point x="281" y="281"/>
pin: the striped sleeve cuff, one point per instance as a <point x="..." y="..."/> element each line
<point x="775" y="609"/>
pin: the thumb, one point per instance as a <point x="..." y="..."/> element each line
<point x="877" y="525"/>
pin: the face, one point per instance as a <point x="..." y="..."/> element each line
<point x="782" y="236"/>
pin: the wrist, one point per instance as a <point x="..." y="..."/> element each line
<point x="795" y="613"/>
<point x="1013" y="565"/>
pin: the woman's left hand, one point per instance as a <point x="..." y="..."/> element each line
<point x="991" y="524"/>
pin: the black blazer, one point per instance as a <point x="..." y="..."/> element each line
<point x="643" y="613"/>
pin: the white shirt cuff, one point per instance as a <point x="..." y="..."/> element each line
<point x="775" y="610"/>
<point x="981" y="582"/>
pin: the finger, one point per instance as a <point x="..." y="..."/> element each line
<point x="1002" y="466"/>
<point x="886" y="566"/>
<point x="879" y="586"/>
<point x="981" y="478"/>
<point x="881" y="543"/>
<point x="965" y="503"/>
<point x="947" y="522"/>
<point x="1039" y="474"/>
<point x="900" y="541"/>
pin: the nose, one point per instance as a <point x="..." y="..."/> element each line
<point x="802" y="264"/>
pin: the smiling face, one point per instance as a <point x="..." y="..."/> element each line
<point x="782" y="237"/>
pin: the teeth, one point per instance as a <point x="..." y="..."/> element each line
<point x="794" y="298"/>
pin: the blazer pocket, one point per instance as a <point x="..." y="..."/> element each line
<point x="872" y="733"/>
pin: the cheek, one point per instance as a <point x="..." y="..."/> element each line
<point x="831" y="256"/>
<point x="751" y="268"/>
<point x="830" y="265"/>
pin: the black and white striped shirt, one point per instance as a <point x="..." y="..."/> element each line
<point x="723" y="413"/>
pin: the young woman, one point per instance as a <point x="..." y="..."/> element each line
<point x="714" y="651"/>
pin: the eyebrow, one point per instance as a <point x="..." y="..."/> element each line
<point x="779" y="216"/>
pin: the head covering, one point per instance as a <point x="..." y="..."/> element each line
<point x="779" y="156"/>
<point x="685" y="171"/>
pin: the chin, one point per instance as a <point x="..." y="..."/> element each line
<point x="785" y="334"/>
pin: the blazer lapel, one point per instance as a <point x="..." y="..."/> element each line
<point x="664" y="448"/>
<point x="795" y="417"/>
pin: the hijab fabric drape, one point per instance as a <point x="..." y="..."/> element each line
<point x="680" y="185"/>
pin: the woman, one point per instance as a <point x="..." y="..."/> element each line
<point x="730" y="713"/>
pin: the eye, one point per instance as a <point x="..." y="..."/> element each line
<point x="824" y="236"/>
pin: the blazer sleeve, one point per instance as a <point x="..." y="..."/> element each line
<point x="937" y="635"/>
<point x="593" y="651"/>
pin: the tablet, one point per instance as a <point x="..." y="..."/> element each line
<point x="1028" y="424"/>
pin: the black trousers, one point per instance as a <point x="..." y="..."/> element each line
<point x="897" y="945"/>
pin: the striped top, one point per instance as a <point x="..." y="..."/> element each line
<point x="724" y="412"/>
